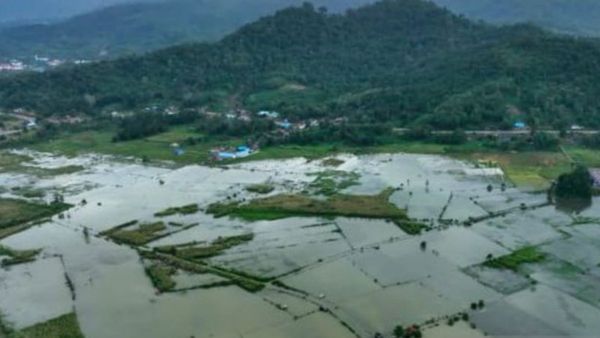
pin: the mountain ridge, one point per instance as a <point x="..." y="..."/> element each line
<point x="140" y="27"/>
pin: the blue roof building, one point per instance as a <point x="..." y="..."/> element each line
<point x="226" y="155"/>
<point x="519" y="125"/>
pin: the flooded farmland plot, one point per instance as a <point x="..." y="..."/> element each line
<point x="354" y="247"/>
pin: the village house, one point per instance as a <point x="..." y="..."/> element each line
<point x="220" y="154"/>
<point x="268" y="114"/>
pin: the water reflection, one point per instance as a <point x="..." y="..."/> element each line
<point x="572" y="205"/>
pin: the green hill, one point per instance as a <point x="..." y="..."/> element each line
<point x="402" y="61"/>
<point x="141" y="27"/>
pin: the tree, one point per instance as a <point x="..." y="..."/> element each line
<point x="576" y="184"/>
<point x="544" y="141"/>
<point x="399" y="331"/>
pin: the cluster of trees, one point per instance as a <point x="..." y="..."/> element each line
<point x="592" y="141"/>
<point x="576" y="184"/>
<point x="144" y="124"/>
<point x="455" y="137"/>
<point x="352" y="135"/>
<point x="140" y="125"/>
<point x="401" y="61"/>
<point x="233" y="127"/>
<point x="408" y="332"/>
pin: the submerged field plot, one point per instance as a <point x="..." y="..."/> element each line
<point x="349" y="246"/>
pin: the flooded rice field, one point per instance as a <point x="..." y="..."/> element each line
<point x="131" y="260"/>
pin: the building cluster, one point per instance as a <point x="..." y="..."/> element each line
<point x="231" y="153"/>
<point x="15" y="122"/>
<point x="36" y="64"/>
<point x="12" y="66"/>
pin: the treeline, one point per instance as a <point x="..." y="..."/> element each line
<point x="144" y="124"/>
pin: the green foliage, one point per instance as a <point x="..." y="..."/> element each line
<point x="144" y="233"/>
<point x="515" y="259"/>
<point x="260" y="188"/>
<point x="197" y="251"/>
<point x="137" y="27"/>
<point x="17" y="256"/>
<point x="544" y="141"/>
<point x="16" y="212"/>
<point x="456" y="137"/>
<point x="576" y="184"/>
<point x="65" y="326"/>
<point x="330" y="182"/>
<point x="140" y="125"/>
<point x="184" y="210"/>
<point x="285" y="206"/>
<point x="332" y="162"/>
<point x="399" y="331"/>
<point x="160" y="275"/>
<point x="10" y="162"/>
<point x="432" y="68"/>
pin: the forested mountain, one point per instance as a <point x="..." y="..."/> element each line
<point x="402" y="61"/>
<point x="140" y="27"/>
<point x="580" y="17"/>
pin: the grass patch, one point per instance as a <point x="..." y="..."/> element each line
<point x="190" y="257"/>
<point x="330" y="182"/>
<point x="15" y="257"/>
<point x="285" y="206"/>
<point x="160" y="275"/>
<point x="28" y="192"/>
<point x="65" y="326"/>
<point x="69" y="169"/>
<point x="143" y="234"/>
<point x="332" y="162"/>
<point x="10" y="162"/>
<point x="529" y="169"/>
<point x="200" y="252"/>
<point x="512" y="261"/>
<point x="260" y="188"/>
<point x="587" y="157"/>
<point x="15" y="213"/>
<point x="174" y="262"/>
<point x="154" y="148"/>
<point x="184" y="210"/>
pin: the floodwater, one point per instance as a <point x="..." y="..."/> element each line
<point x="346" y="277"/>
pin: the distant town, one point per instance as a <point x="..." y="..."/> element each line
<point x="35" y="64"/>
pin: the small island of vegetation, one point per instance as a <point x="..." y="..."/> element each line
<point x="285" y="206"/>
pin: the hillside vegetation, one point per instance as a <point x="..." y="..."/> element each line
<point x="406" y="62"/>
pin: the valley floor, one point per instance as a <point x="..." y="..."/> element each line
<point x="140" y="255"/>
<point x="527" y="169"/>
